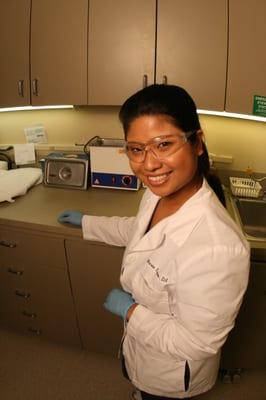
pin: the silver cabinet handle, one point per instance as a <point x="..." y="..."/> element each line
<point x="21" y="88"/>
<point x="15" y="271"/>
<point x="145" y="81"/>
<point x="165" y="79"/>
<point x="36" y="331"/>
<point x="25" y="296"/>
<point x="35" y="89"/>
<point x="28" y="314"/>
<point x="5" y="243"/>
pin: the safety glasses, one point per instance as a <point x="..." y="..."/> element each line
<point x="161" y="147"/>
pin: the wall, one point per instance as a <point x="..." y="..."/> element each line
<point x="245" y="140"/>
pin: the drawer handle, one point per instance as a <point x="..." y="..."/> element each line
<point x="5" y="243"/>
<point x="36" y="331"/>
<point x="15" y="272"/>
<point x="28" y="314"/>
<point x="25" y="296"/>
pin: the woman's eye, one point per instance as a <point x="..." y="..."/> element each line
<point x="135" y="149"/>
<point x="164" y="145"/>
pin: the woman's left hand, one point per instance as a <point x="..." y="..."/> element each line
<point x="119" y="302"/>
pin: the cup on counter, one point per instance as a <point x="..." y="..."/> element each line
<point x="3" y="165"/>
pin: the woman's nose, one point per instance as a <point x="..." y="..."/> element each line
<point x="151" y="162"/>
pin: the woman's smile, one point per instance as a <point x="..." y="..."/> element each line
<point x="157" y="180"/>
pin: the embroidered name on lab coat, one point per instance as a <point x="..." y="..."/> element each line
<point x="157" y="272"/>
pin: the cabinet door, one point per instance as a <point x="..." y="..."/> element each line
<point x="245" y="346"/>
<point x="192" y="48"/>
<point x="59" y="51"/>
<point x="14" y="50"/>
<point x="247" y="55"/>
<point x="121" y="49"/>
<point x="94" y="271"/>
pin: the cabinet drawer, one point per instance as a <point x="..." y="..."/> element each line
<point x="19" y="249"/>
<point x="63" y="331"/>
<point x="39" y="302"/>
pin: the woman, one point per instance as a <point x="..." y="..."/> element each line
<point x="185" y="267"/>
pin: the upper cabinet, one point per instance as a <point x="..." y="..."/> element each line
<point x="44" y="47"/>
<point x="99" y="52"/>
<point x="247" y="55"/>
<point x="121" y="46"/>
<point x="15" y="52"/>
<point x="192" y="48"/>
<point x="59" y="51"/>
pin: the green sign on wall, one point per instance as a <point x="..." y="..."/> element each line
<point x="259" y="106"/>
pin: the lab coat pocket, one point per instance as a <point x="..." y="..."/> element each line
<point x="151" y="293"/>
<point x="160" y="373"/>
<point x="172" y="298"/>
<point x="157" y="284"/>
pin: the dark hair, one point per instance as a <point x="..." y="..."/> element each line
<point x="169" y="100"/>
<point x="174" y="102"/>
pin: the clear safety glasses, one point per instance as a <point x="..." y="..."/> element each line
<point x="161" y="147"/>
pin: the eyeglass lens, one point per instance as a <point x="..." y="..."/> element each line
<point x="160" y="147"/>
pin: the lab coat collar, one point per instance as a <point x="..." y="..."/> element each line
<point x="142" y="240"/>
<point x="178" y="225"/>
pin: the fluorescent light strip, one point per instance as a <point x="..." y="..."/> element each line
<point x="206" y="112"/>
<point x="32" y="108"/>
<point x="232" y="115"/>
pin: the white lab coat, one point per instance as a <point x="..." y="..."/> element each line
<point x="188" y="274"/>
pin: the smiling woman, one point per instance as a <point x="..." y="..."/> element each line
<point x="159" y="113"/>
<point x="185" y="267"/>
<point x="173" y="175"/>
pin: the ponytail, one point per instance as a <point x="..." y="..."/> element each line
<point x="212" y="179"/>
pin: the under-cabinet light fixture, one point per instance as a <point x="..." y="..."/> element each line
<point x="32" y="108"/>
<point x="232" y="115"/>
<point x="206" y="112"/>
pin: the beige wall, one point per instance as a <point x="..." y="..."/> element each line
<point x="243" y="139"/>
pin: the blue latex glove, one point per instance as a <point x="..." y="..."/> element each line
<point x="118" y="302"/>
<point x="70" y="217"/>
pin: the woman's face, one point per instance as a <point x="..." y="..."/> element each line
<point x="174" y="174"/>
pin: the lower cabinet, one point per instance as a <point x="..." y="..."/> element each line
<point x="245" y="346"/>
<point x="35" y="292"/>
<point x="94" y="270"/>
<point x="55" y="288"/>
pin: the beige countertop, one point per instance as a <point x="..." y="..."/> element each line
<point x="40" y="206"/>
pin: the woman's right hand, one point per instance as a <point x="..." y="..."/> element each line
<point x="72" y="217"/>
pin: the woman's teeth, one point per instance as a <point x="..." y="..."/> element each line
<point x="158" y="178"/>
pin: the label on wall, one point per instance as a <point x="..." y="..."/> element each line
<point x="259" y="106"/>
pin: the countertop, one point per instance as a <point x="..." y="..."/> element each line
<point x="39" y="208"/>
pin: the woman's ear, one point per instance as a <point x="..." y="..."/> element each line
<point x="199" y="143"/>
